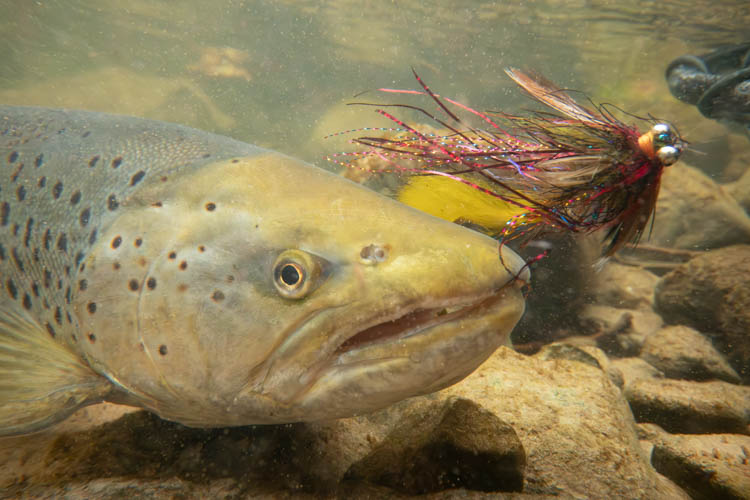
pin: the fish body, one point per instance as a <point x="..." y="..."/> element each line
<point x="217" y="283"/>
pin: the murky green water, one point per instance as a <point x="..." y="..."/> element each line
<point x="294" y="62"/>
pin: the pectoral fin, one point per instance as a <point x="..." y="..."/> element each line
<point x="41" y="381"/>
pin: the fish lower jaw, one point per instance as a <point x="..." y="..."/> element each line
<point x="427" y="356"/>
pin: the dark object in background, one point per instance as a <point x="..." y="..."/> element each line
<point x="717" y="83"/>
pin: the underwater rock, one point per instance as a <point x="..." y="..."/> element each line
<point x="570" y="418"/>
<point x="620" y="332"/>
<point x="721" y="221"/>
<point x="683" y="406"/>
<point x="740" y="189"/>
<point x="711" y="294"/>
<point x="633" y="369"/>
<point x="116" y="488"/>
<point x="625" y="287"/>
<point x="449" y="444"/>
<point x="588" y="354"/>
<point x="682" y="352"/>
<point x="707" y="466"/>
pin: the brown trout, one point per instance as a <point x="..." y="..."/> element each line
<point x="216" y="283"/>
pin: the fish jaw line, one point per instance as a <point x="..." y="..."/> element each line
<point x="406" y="323"/>
<point x="429" y="356"/>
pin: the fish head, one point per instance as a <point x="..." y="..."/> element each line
<point x="264" y="290"/>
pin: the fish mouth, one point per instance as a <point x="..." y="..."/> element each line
<point x="412" y="323"/>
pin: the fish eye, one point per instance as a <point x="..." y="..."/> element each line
<point x="296" y="274"/>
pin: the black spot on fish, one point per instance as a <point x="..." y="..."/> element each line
<point x="157" y="204"/>
<point x="68" y="297"/>
<point x="59" y="284"/>
<point x="35" y="254"/>
<point x="92" y="237"/>
<point x="183" y="265"/>
<point x="163" y="350"/>
<point x="201" y="248"/>
<point x="116" y="241"/>
<point x="16" y="172"/>
<point x="230" y="278"/>
<point x="75" y="198"/>
<point x="42" y="182"/>
<point x="117" y="162"/>
<point x="91" y="307"/>
<point x="50" y="330"/>
<point x="79" y="258"/>
<point x="57" y="190"/>
<point x="13" y="156"/>
<point x="172" y="255"/>
<point x="27" y="233"/>
<point x="15" y="229"/>
<point x="217" y="296"/>
<point x="62" y="242"/>
<point x="4" y="213"/>
<point x="85" y="216"/>
<point x="12" y="290"/>
<point x="164" y="179"/>
<point x="58" y="316"/>
<point x="61" y="131"/>
<point x="27" y="301"/>
<point x="67" y="270"/>
<point x="35" y="288"/>
<point x="21" y="193"/>
<point x="69" y="318"/>
<point x="47" y="238"/>
<point x="2" y="252"/>
<point x="17" y="259"/>
<point x="138" y="242"/>
<point x="112" y="202"/>
<point x="210" y="206"/>
<point x="92" y="338"/>
<point x="93" y="161"/>
<point x="116" y="266"/>
<point x="39" y="160"/>
<point x="235" y="160"/>
<point x="206" y="155"/>
<point x="133" y="285"/>
<point x="86" y="134"/>
<point x="137" y="177"/>
<point x="47" y="278"/>
<point x="83" y="285"/>
<point x="151" y="283"/>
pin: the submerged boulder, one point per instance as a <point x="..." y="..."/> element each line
<point x="711" y="294"/>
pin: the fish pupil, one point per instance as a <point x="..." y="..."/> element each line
<point x="290" y="275"/>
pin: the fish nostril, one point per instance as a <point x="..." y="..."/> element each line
<point x="373" y="254"/>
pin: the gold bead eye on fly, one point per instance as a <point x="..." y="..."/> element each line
<point x="662" y="143"/>
<point x="297" y="273"/>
